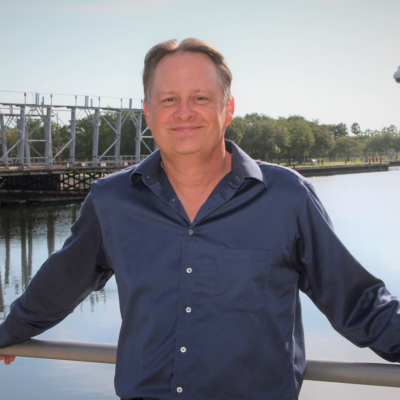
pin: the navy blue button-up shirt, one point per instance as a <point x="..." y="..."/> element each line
<point x="210" y="309"/>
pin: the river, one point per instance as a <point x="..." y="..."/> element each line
<point x="364" y="210"/>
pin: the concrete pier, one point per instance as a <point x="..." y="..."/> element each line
<point x="342" y="169"/>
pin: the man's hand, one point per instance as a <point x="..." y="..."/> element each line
<point x="7" y="359"/>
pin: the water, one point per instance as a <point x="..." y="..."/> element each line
<point x="364" y="210"/>
<point x="27" y="236"/>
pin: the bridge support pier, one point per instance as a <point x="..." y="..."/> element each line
<point x="138" y="125"/>
<point x="48" y="144"/>
<point x="26" y="145"/>
<point x="96" y="128"/>
<point x="117" y="148"/>
<point x="4" y="140"/>
<point x="72" y="138"/>
<point x="21" y="138"/>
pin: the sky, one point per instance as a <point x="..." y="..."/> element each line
<point x="326" y="60"/>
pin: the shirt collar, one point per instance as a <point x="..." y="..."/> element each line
<point x="243" y="166"/>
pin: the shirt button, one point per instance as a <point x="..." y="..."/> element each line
<point x="188" y="310"/>
<point x="183" y="349"/>
<point x="189" y="270"/>
<point x="190" y="232"/>
<point x="179" y="389"/>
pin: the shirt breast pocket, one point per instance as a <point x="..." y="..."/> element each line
<point x="242" y="279"/>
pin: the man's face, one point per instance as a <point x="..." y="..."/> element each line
<point x="187" y="113"/>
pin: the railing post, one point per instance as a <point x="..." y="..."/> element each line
<point x="138" y="136"/>
<point x="4" y="141"/>
<point x="21" y="125"/>
<point x="96" y="126"/>
<point x="26" y="144"/>
<point x="72" y="138"/>
<point x="117" y="148"/>
<point x="48" y="143"/>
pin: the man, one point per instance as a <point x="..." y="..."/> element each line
<point x="209" y="249"/>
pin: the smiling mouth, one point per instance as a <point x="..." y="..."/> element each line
<point x="184" y="128"/>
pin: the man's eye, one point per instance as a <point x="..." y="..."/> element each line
<point x="201" y="98"/>
<point x="168" y="100"/>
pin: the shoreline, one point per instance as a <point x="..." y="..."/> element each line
<point x="308" y="171"/>
<point x="28" y="197"/>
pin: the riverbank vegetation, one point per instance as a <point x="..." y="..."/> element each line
<point x="287" y="140"/>
<point x="296" y="139"/>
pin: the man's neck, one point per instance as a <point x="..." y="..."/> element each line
<point x="192" y="171"/>
<point x="194" y="176"/>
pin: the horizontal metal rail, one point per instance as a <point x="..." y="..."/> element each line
<point x="356" y="373"/>
<point x="317" y="370"/>
<point x="64" y="350"/>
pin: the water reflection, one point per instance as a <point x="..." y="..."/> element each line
<point x="28" y="235"/>
<point x="363" y="207"/>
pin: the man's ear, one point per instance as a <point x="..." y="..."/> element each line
<point x="147" y="114"/>
<point x="230" y="110"/>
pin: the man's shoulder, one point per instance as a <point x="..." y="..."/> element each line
<point x="118" y="180"/>
<point x="283" y="176"/>
<point x="289" y="184"/>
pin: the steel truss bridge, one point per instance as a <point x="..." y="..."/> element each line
<point x="16" y="115"/>
<point x="32" y="176"/>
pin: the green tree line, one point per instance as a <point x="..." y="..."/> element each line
<point x="296" y="138"/>
<point x="262" y="137"/>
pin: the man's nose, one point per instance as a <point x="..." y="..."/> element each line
<point x="184" y="111"/>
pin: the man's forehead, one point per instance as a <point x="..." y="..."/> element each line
<point x="182" y="56"/>
<point x="194" y="62"/>
<point x="192" y="72"/>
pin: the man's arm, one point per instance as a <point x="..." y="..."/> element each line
<point x="64" y="280"/>
<point x="357" y="304"/>
<point x="7" y="359"/>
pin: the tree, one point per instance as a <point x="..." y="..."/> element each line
<point x="338" y="130"/>
<point x="348" y="146"/>
<point x="388" y="137"/>
<point x="264" y="137"/>
<point x="381" y="142"/>
<point x="236" y="130"/>
<point x="396" y="143"/>
<point x="12" y="137"/>
<point x="355" y="129"/>
<point x="373" y="144"/>
<point x="324" y="140"/>
<point x="301" y="137"/>
<point x="84" y="139"/>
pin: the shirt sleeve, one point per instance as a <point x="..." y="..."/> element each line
<point x="357" y="304"/>
<point x="63" y="281"/>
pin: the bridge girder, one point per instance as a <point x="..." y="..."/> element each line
<point x="17" y="115"/>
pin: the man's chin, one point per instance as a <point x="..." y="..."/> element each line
<point x="188" y="147"/>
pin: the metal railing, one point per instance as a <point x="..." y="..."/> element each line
<point x="317" y="370"/>
<point x="122" y="161"/>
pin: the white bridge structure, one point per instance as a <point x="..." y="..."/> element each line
<point x="36" y="106"/>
